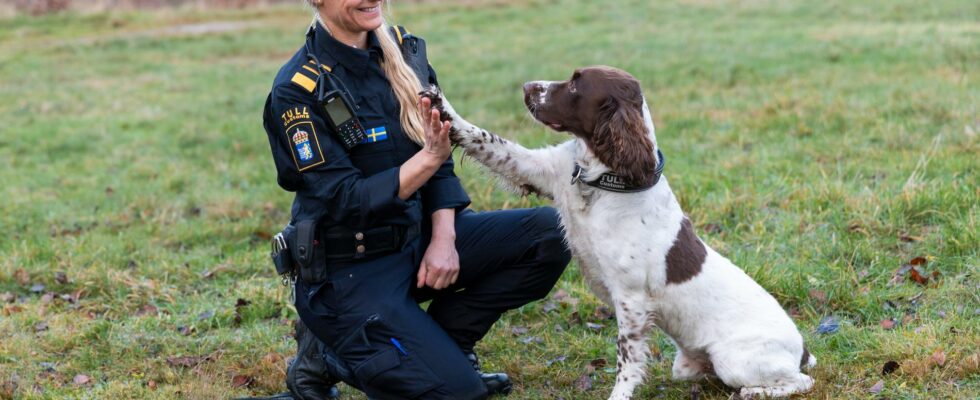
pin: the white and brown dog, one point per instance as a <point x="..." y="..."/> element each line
<point x="634" y="244"/>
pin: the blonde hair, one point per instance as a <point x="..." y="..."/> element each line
<point x="402" y="78"/>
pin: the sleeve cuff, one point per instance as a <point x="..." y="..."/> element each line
<point x="442" y="194"/>
<point x="380" y="193"/>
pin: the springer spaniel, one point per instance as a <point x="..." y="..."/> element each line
<point x="636" y="247"/>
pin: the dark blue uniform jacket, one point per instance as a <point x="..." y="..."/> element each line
<point x="357" y="187"/>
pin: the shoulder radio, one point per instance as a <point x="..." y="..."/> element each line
<point x="341" y="117"/>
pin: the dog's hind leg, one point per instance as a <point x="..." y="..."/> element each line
<point x="688" y="367"/>
<point x="783" y="387"/>
<point x="632" y="351"/>
<point x="760" y="370"/>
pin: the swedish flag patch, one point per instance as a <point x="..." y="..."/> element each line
<point x="376" y="135"/>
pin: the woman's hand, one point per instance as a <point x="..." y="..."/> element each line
<point x="440" y="264"/>
<point x="437" y="143"/>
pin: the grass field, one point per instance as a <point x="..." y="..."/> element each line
<point x="820" y="145"/>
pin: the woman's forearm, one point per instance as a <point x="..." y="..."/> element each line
<point x="416" y="171"/>
<point x="444" y="225"/>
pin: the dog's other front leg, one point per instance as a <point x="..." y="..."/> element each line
<point x="632" y="351"/>
<point x="535" y="171"/>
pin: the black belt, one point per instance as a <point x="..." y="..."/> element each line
<point x="342" y="243"/>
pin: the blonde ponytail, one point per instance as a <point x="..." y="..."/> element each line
<point x="405" y="84"/>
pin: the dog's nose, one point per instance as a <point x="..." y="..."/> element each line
<point x="531" y="90"/>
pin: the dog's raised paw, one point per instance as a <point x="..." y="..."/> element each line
<point x="434" y="94"/>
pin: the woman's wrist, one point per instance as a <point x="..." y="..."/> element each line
<point x="444" y="225"/>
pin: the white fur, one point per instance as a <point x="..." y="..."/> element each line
<point x="723" y="322"/>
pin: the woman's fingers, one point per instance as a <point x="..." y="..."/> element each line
<point x="423" y="271"/>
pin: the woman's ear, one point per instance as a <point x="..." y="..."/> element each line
<point x="621" y="141"/>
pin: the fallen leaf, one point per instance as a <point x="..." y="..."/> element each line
<point x="22" y="277"/>
<point x="40" y="326"/>
<point x="11" y="309"/>
<point x="889" y="367"/>
<point x="205" y="315"/>
<point x="877" y="387"/>
<point x="37" y="288"/>
<point x="241" y="303"/>
<point x="939" y="358"/>
<point x="819" y="295"/>
<point x="239" y="381"/>
<point x="916" y="277"/>
<point x="888" y="324"/>
<point x="603" y="313"/>
<point x="575" y="319"/>
<point x="549" y="307"/>
<point x="918" y="261"/>
<point x="61" y="277"/>
<point x="593" y="326"/>
<point x="828" y="325"/>
<point x="185" y="330"/>
<point x="519" y="330"/>
<point x="47" y="298"/>
<point x="556" y="360"/>
<point x="147" y="309"/>
<point x="584" y="383"/>
<point x="559" y="295"/>
<point x="595" y="364"/>
<point x="7" y="297"/>
<point x="905" y="237"/>
<point x="81" y="379"/>
<point x="152" y="385"/>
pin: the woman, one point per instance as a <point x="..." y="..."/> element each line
<point x="392" y="228"/>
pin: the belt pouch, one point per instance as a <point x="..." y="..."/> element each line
<point x="281" y="254"/>
<point x="308" y="253"/>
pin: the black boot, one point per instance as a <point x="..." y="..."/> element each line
<point x="307" y="376"/>
<point x="497" y="383"/>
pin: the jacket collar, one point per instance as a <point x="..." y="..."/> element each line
<point x="353" y="59"/>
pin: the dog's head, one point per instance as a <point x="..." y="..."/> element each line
<point x="604" y="107"/>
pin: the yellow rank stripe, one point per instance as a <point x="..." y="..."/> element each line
<point x="324" y="66"/>
<point x="398" y="32"/>
<point x="304" y="82"/>
<point x="311" y="70"/>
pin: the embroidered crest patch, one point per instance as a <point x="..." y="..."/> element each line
<point x="376" y="135"/>
<point x="304" y="145"/>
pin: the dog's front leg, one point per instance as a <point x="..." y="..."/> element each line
<point x="535" y="171"/>
<point x="632" y="351"/>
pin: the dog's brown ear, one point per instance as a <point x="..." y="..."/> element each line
<point x="620" y="141"/>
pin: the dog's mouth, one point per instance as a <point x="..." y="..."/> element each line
<point x="553" y="125"/>
<point x="533" y="109"/>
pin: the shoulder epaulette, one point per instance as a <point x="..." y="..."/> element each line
<point x="306" y="76"/>
<point x="401" y="33"/>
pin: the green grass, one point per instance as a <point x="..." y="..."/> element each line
<point x="820" y="145"/>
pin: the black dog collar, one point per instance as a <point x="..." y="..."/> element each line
<point x="615" y="183"/>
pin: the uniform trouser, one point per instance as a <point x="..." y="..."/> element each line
<point x="368" y="312"/>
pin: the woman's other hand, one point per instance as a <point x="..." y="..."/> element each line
<point x="440" y="264"/>
<point x="437" y="143"/>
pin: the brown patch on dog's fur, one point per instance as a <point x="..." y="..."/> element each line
<point x="685" y="257"/>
